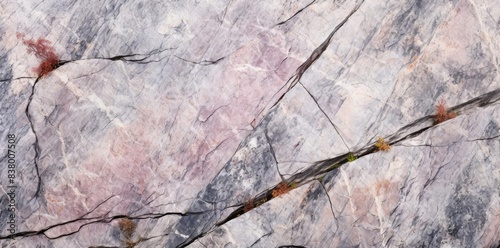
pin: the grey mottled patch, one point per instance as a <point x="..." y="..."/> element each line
<point x="252" y="165"/>
<point x="466" y="210"/>
<point x="432" y="236"/>
<point x="492" y="129"/>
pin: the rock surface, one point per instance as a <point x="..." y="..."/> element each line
<point x="251" y="124"/>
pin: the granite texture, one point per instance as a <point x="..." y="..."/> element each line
<point x="251" y="123"/>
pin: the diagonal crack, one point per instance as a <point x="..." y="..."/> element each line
<point x="407" y="131"/>
<point x="320" y="168"/>
<point x="271" y="149"/>
<point x="319" y="50"/>
<point x="261" y="237"/>
<point x="313" y="57"/>
<point x="267" y="195"/>
<point x="327" y="117"/>
<point x="296" y="13"/>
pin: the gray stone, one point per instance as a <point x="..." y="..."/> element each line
<point x="251" y="123"/>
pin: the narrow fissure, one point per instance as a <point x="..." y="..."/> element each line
<point x="296" y="13"/>
<point x="35" y="144"/>
<point x="327" y="117"/>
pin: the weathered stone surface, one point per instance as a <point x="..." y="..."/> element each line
<point x="428" y="191"/>
<point x="184" y="116"/>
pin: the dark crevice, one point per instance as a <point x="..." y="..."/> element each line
<point x="481" y="101"/>
<point x="429" y="181"/>
<point x="257" y="200"/>
<point x="137" y="58"/>
<point x="320" y="168"/>
<point x="187" y="242"/>
<point x="263" y="236"/>
<point x="296" y="13"/>
<point x="272" y="97"/>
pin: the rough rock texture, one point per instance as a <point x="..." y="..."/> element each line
<point x="189" y="118"/>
